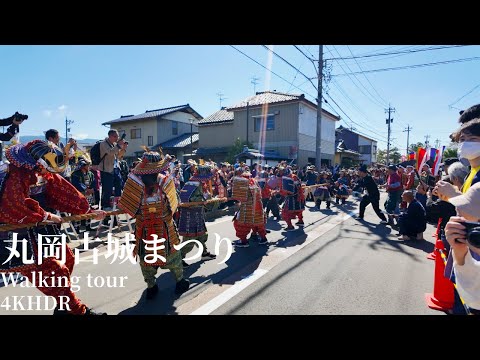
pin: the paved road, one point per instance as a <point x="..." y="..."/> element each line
<point x="334" y="265"/>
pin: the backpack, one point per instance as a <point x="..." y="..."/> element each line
<point x="95" y="154"/>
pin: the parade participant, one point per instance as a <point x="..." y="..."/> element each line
<point x="150" y="197"/>
<point x="30" y="190"/>
<point x="294" y="199"/>
<point x="394" y="190"/>
<point x="372" y="195"/>
<point x="342" y="188"/>
<point x="191" y="223"/>
<point x="250" y="216"/>
<point x="322" y="193"/>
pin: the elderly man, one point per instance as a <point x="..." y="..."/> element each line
<point x="413" y="222"/>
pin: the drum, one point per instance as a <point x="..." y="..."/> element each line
<point x="132" y="195"/>
<point x="188" y="190"/>
<point x="240" y="188"/>
<point x="288" y="184"/>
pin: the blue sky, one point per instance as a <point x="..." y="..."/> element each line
<point x="94" y="84"/>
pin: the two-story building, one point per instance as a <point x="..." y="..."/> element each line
<point x="281" y="126"/>
<point x="175" y="129"/>
<point x="353" y="146"/>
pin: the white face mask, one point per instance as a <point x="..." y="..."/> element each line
<point x="469" y="150"/>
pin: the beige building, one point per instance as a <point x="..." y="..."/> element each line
<point x="281" y="126"/>
<point x="176" y="127"/>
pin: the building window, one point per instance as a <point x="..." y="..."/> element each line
<point x="365" y="149"/>
<point x="150" y="141"/>
<point x="135" y="133"/>
<point x="174" y="128"/>
<point x="258" y="123"/>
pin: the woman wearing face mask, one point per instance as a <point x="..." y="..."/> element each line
<point x="468" y="137"/>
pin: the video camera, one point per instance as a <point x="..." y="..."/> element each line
<point x="473" y="233"/>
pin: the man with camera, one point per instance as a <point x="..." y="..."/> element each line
<point x="110" y="150"/>
<point x="14" y="121"/>
<point x="463" y="235"/>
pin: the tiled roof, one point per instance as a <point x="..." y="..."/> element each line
<point x="266" y="97"/>
<point x="153" y="113"/>
<point x="179" y="142"/>
<point x="217" y="117"/>
<point x="212" y="150"/>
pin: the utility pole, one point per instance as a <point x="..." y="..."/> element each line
<point x="247" y="120"/>
<point x="318" y="142"/>
<point x="426" y="140"/>
<point x="389" y="121"/>
<point x="67" y="123"/>
<point x="254" y="82"/>
<point x="220" y="98"/>
<point x="437" y="144"/>
<point x="408" y="129"/>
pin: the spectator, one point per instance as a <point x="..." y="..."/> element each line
<point x="412" y="223"/>
<point x="54" y="136"/>
<point x="110" y="149"/>
<point x="466" y="256"/>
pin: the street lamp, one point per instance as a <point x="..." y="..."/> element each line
<point x="191" y="134"/>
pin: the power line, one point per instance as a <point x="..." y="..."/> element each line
<point x="271" y="71"/>
<point x="460" y="98"/>
<point x="397" y="52"/>
<point x="373" y="87"/>
<point x="372" y="99"/>
<point x="411" y="66"/>
<point x="293" y="66"/>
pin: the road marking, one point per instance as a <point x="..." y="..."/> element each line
<point x="230" y="293"/>
<point x="216" y="295"/>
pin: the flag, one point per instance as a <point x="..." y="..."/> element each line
<point x="432" y="154"/>
<point x="411" y="155"/>
<point x="438" y="160"/>
<point x="421" y="158"/>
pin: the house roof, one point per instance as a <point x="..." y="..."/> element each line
<point x="179" y="142"/>
<point x="154" y="113"/>
<point x="341" y="128"/>
<point x="212" y="150"/>
<point x="274" y="97"/>
<point x="221" y="116"/>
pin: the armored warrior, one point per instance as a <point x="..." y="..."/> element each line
<point x="30" y="192"/>
<point x="151" y="198"/>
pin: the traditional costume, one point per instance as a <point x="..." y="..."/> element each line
<point x="151" y="198"/>
<point x="191" y="223"/>
<point x="30" y="189"/>
<point x="294" y="199"/>
<point x="250" y="216"/>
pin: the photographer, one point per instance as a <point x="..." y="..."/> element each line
<point x="110" y="150"/>
<point x="14" y="121"/>
<point x="465" y="246"/>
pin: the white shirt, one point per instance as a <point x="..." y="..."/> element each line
<point x="468" y="281"/>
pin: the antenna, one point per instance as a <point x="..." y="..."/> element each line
<point x="221" y="98"/>
<point x="254" y="82"/>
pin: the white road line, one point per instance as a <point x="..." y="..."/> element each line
<point x="275" y="257"/>
<point x="230" y="293"/>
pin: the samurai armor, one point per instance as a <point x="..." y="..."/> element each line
<point x="188" y="190"/>
<point x="132" y="195"/>
<point x="171" y="195"/>
<point x="288" y="184"/>
<point x="240" y="189"/>
<point x="192" y="221"/>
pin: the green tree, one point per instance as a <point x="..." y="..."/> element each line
<point x="394" y="156"/>
<point x="414" y="147"/>
<point x="381" y="156"/>
<point x="236" y="149"/>
<point x="450" y="152"/>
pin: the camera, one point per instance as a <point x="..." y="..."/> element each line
<point x="19" y="116"/>
<point x="473" y="233"/>
<point x="124" y="135"/>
